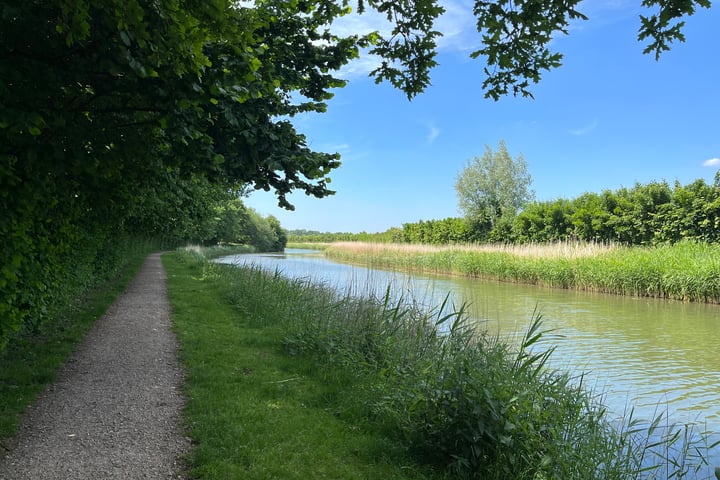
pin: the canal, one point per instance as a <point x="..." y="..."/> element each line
<point x="649" y="354"/>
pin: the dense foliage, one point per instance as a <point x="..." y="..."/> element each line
<point x="493" y="188"/>
<point x="640" y="215"/>
<point x="644" y="214"/>
<point x="138" y="118"/>
<point x="235" y="223"/>
<point x="135" y="117"/>
<point x="315" y="236"/>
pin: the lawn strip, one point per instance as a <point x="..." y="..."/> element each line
<point x="256" y="412"/>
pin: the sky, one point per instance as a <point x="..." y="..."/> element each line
<point x="608" y="118"/>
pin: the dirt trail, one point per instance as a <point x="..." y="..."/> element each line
<point x="115" y="409"/>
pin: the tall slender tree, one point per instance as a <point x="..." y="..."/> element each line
<point x="493" y="186"/>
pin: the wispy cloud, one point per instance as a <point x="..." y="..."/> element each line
<point x="356" y="24"/>
<point x="458" y="25"/>
<point x="713" y="162"/>
<point x="579" y="132"/>
<point x="343" y="148"/>
<point x="433" y="134"/>
<point x="360" y="67"/>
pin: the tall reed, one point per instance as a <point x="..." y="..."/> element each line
<point x="688" y="271"/>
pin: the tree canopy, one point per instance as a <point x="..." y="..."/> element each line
<point x="493" y="187"/>
<point x="131" y="117"/>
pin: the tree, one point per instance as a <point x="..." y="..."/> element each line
<point x="493" y="187"/>
<point x="280" y="234"/>
<point x="121" y="117"/>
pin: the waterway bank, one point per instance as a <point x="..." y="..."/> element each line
<point x="434" y="391"/>
<point x="652" y="354"/>
<point x="686" y="271"/>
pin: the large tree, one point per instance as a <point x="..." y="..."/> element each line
<point x="119" y="88"/>
<point x="493" y="186"/>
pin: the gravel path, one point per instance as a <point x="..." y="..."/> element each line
<point x="115" y="409"/>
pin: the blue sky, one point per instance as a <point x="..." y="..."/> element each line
<point x="609" y="117"/>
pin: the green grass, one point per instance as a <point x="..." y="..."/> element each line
<point x="288" y="379"/>
<point x="32" y="359"/>
<point x="255" y="412"/>
<point x="309" y="245"/>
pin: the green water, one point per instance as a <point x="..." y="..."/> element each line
<point x="651" y="354"/>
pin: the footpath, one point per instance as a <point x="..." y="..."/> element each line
<point x="115" y="410"/>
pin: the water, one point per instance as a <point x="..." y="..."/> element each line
<point x="647" y="353"/>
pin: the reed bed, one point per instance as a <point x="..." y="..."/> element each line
<point x="535" y="250"/>
<point x="463" y="402"/>
<point x="687" y="271"/>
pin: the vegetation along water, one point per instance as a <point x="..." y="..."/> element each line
<point x="454" y="400"/>
<point x="686" y="270"/>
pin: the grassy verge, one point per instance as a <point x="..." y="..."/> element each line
<point x="688" y="271"/>
<point x="32" y="359"/>
<point x="254" y="411"/>
<point x="288" y="379"/>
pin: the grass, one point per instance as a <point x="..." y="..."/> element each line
<point x="32" y="360"/>
<point x="289" y="379"/>
<point x="311" y="246"/>
<point x="687" y="271"/>
<point x="256" y="412"/>
<point x="531" y="250"/>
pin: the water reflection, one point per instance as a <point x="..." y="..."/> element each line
<point x="654" y="354"/>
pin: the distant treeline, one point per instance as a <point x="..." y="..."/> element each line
<point x="645" y="214"/>
<point x="314" y="236"/>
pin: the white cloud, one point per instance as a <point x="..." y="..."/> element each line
<point x="713" y="162"/>
<point x="458" y="26"/>
<point x="360" y="67"/>
<point x="356" y="24"/>
<point x="433" y="134"/>
<point x="586" y="129"/>
<point x="341" y="147"/>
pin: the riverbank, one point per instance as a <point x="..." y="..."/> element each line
<point x="368" y="388"/>
<point x="254" y="410"/>
<point x="687" y="271"/>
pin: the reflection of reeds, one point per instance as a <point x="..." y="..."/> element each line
<point x="687" y="271"/>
